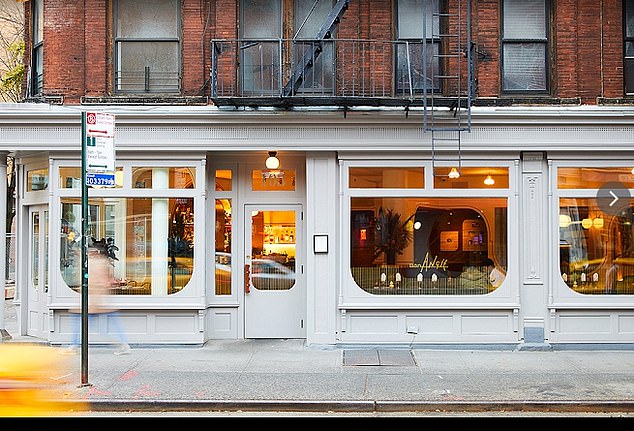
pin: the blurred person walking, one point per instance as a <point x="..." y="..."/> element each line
<point x="100" y="280"/>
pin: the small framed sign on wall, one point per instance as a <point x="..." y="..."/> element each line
<point x="320" y="243"/>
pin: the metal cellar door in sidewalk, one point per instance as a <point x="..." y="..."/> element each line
<point x="274" y="289"/>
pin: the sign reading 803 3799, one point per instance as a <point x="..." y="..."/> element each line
<point x="100" y="179"/>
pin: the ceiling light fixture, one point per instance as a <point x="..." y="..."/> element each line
<point x="272" y="162"/>
<point x="453" y="173"/>
<point x="489" y="181"/>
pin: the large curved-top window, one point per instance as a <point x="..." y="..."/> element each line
<point x="596" y="244"/>
<point x="428" y="246"/>
<point x="596" y="249"/>
<point x="151" y="240"/>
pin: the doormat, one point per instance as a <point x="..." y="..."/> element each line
<point x="378" y="357"/>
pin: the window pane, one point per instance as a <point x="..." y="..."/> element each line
<point x="70" y="177"/>
<point x="410" y="18"/>
<point x="410" y="71"/>
<point x="148" y="66"/>
<point x="260" y="68"/>
<point x="380" y="178"/>
<point x="38" y="21"/>
<point x="524" y="19"/>
<point x="273" y="247"/>
<point x="472" y="178"/>
<point x="596" y="249"/>
<point x="37" y="179"/>
<point x="223" y="180"/>
<point x="148" y="19"/>
<point x="223" y="246"/>
<point x="432" y="246"/>
<point x="629" y="74"/>
<point x="524" y="66"/>
<point x="308" y="20"/>
<point x="153" y="241"/>
<point x="163" y="178"/>
<point x="261" y="19"/>
<point x="629" y="19"/>
<point x="593" y="178"/>
<point x="273" y="181"/>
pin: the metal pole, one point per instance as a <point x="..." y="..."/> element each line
<point x="84" y="257"/>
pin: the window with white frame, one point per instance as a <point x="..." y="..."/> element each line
<point x="147" y="46"/>
<point x="412" y="238"/>
<point x="145" y="225"/>
<point x="596" y="248"/>
<point x="628" y="30"/>
<point x="411" y="17"/>
<point x="525" y="46"/>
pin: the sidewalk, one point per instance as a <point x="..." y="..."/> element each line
<point x="288" y="375"/>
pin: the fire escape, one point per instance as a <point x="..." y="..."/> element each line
<point x="445" y="92"/>
<point x="455" y="81"/>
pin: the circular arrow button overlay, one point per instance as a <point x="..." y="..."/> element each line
<point x="613" y="197"/>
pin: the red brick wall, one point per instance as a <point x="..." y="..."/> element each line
<point x="586" y="62"/>
<point x="64" y="53"/>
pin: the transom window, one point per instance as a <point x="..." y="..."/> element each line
<point x="525" y="46"/>
<point x="147" y="46"/>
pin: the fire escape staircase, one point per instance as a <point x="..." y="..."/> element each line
<point x="308" y="59"/>
<point x="455" y="82"/>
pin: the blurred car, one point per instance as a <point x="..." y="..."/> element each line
<point x="268" y="274"/>
<point x="30" y="382"/>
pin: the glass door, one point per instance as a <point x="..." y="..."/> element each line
<point x="38" y="272"/>
<point x="274" y="290"/>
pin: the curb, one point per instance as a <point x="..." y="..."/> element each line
<point x="360" y="406"/>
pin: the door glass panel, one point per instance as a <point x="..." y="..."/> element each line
<point x="223" y="246"/>
<point x="273" y="244"/>
<point x="35" y="250"/>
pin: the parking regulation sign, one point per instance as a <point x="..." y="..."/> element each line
<point x="100" y="155"/>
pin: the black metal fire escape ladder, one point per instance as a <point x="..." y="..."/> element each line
<point x="309" y="57"/>
<point x="453" y="85"/>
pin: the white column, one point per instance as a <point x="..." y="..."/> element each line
<point x="160" y="180"/>
<point x="534" y="249"/>
<point x="321" y="215"/>
<point x="4" y="335"/>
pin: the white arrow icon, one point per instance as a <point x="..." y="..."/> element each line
<point x="616" y="198"/>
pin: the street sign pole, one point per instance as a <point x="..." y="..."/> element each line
<point x="84" y="257"/>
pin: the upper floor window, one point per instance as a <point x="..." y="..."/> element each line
<point x="525" y="46"/>
<point x="412" y="17"/>
<point x="37" y="44"/>
<point x="628" y="63"/>
<point x="147" y="46"/>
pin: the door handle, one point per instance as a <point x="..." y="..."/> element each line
<point x="247" y="278"/>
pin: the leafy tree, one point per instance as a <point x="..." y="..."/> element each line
<point x="11" y="50"/>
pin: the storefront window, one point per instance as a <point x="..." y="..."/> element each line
<point x="428" y="246"/>
<point x="152" y="241"/>
<point x="596" y="249"/>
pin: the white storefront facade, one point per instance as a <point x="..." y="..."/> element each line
<point x="214" y="245"/>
